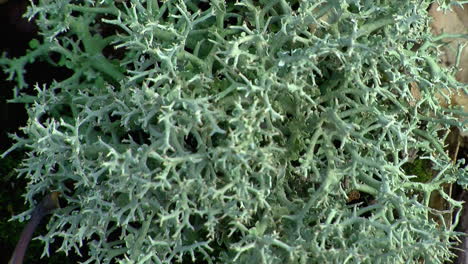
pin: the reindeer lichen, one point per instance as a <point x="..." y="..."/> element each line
<point x="233" y="131"/>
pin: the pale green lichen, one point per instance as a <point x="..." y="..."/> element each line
<point x="231" y="132"/>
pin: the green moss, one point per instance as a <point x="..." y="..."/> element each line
<point x="420" y="168"/>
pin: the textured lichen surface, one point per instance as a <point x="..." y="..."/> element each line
<point x="233" y="131"/>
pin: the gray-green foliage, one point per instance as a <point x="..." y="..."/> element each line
<point x="232" y="131"/>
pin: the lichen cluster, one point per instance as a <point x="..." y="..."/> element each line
<point x="234" y="131"/>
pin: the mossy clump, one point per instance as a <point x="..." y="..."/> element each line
<point x="421" y="168"/>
